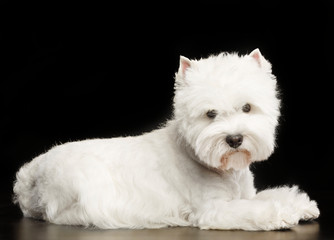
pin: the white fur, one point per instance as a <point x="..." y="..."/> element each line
<point x="184" y="174"/>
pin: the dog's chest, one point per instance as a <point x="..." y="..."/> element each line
<point x="225" y="187"/>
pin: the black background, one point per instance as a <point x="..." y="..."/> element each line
<point x="79" y="71"/>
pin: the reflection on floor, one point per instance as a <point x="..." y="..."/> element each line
<point x="29" y="229"/>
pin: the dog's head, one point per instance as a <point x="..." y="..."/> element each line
<point x="226" y="108"/>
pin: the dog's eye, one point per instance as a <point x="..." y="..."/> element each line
<point x="211" y="114"/>
<point x="246" y="108"/>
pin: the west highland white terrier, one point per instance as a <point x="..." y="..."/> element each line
<point x="194" y="171"/>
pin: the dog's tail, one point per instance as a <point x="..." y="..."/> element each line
<point x="25" y="191"/>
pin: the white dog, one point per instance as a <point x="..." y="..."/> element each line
<point x="194" y="171"/>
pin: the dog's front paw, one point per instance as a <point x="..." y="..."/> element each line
<point x="291" y="206"/>
<point x="304" y="207"/>
<point x="310" y="211"/>
<point x="281" y="217"/>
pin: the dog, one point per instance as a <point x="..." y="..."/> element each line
<point x="193" y="171"/>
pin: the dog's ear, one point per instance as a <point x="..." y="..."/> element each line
<point x="261" y="61"/>
<point x="185" y="63"/>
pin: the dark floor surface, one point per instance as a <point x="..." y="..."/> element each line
<point x="14" y="226"/>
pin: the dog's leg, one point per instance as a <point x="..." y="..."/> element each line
<point x="292" y="196"/>
<point x="243" y="214"/>
<point x="267" y="211"/>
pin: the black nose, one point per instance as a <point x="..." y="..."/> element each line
<point x="234" y="140"/>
